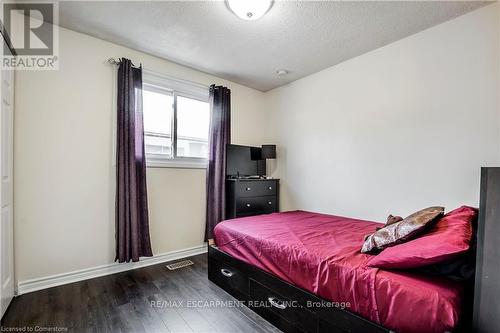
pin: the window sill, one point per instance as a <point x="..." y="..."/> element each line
<point x="177" y="163"/>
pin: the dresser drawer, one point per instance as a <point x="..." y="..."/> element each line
<point x="266" y="300"/>
<point x="256" y="188"/>
<point x="256" y="205"/>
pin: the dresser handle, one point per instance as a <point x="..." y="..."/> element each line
<point x="277" y="303"/>
<point x="269" y="203"/>
<point x="270" y="187"/>
<point x="226" y="272"/>
<point x="248" y="189"/>
<point x="248" y="205"/>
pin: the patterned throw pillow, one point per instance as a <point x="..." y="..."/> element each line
<point x="402" y="231"/>
<point x="444" y="249"/>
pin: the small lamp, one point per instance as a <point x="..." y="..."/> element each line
<point x="268" y="152"/>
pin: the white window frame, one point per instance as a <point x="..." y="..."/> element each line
<point x="176" y="87"/>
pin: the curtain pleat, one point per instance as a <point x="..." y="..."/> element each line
<point x="219" y="137"/>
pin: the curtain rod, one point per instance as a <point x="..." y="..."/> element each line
<point x="113" y="61"/>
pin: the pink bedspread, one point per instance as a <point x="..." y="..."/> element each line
<point x="321" y="253"/>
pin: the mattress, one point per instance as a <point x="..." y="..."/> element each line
<point x="321" y="254"/>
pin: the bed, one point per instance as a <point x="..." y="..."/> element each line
<point x="309" y="292"/>
<point x="321" y="254"/>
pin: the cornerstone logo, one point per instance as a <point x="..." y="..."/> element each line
<point x="33" y="33"/>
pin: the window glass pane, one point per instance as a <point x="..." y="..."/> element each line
<point x="193" y="117"/>
<point x="157" y="113"/>
<point x="160" y="146"/>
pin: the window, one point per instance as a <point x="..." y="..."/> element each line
<point x="176" y="120"/>
<point x="158" y="114"/>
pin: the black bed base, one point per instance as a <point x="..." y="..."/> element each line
<point x="287" y="307"/>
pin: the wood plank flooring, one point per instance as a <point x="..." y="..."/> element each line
<point x="150" y="299"/>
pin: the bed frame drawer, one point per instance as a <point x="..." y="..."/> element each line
<point x="326" y="327"/>
<point x="229" y="278"/>
<point x="271" y="304"/>
<point x="257" y="286"/>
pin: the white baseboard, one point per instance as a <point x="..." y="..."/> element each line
<point x="28" y="286"/>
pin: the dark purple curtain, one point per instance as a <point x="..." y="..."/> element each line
<point x="132" y="226"/>
<point x="219" y="136"/>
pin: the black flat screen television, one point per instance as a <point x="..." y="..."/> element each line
<point x="244" y="161"/>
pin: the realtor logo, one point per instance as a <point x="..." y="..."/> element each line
<point x="33" y="32"/>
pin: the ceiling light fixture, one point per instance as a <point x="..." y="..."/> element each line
<point x="282" y="72"/>
<point x="249" y="9"/>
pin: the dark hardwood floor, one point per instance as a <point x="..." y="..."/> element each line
<point x="150" y="299"/>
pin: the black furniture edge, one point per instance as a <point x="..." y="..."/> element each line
<point x="254" y="287"/>
<point x="486" y="308"/>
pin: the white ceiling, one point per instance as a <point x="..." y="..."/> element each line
<point x="301" y="37"/>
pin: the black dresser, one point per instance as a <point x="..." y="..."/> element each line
<point x="246" y="197"/>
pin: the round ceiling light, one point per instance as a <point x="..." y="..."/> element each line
<point x="282" y="72"/>
<point x="249" y="9"/>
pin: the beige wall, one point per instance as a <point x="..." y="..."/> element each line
<point x="397" y="129"/>
<point x="64" y="195"/>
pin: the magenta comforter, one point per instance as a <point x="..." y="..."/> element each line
<point x="321" y="253"/>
